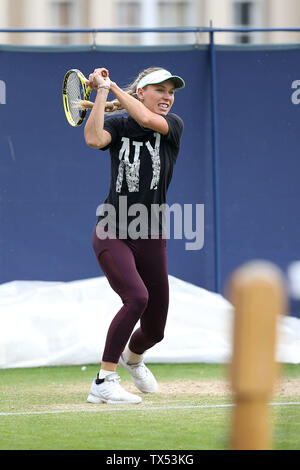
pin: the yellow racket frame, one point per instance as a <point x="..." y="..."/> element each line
<point x="86" y="94"/>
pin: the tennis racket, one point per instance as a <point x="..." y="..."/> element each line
<point x="76" y="94"/>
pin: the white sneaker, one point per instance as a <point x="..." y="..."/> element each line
<point x="109" y="390"/>
<point x="142" y="377"/>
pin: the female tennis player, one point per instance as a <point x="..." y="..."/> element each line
<point x="144" y="145"/>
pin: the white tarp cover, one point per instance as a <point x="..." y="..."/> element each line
<point x="65" y="323"/>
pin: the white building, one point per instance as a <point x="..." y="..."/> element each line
<point x="147" y="13"/>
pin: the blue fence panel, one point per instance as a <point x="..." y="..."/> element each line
<point x="259" y="156"/>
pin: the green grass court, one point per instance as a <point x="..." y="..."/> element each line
<point x="46" y="409"/>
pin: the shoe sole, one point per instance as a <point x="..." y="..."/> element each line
<point x="123" y="364"/>
<point x="96" y="400"/>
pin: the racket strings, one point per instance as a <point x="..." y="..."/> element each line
<point x="75" y="94"/>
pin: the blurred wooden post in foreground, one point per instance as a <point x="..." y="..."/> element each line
<point x="257" y="292"/>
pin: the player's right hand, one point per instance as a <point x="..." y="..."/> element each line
<point x="96" y="78"/>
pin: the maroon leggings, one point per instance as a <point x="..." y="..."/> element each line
<point x="137" y="272"/>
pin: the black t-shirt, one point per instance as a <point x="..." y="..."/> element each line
<point x="142" y="162"/>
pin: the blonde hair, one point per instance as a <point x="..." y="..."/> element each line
<point x="114" y="105"/>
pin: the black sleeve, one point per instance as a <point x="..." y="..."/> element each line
<point x="175" y="129"/>
<point x="112" y="125"/>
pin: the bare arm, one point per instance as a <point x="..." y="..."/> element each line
<point x="139" y="112"/>
<point x="94" y="133"/>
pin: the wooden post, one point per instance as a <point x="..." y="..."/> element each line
<point x="257" y="293"/>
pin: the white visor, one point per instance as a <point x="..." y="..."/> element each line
<point x="159" y="76"/>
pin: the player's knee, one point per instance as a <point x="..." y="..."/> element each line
<point x="138" y="301"/>
<point x="141" y="300"/>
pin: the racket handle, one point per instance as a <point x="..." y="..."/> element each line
<point x="104" y="73"/>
